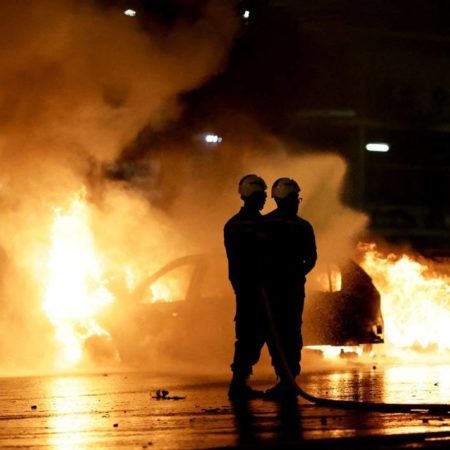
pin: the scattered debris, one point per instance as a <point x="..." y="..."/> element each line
<point x="162" y="394"/>
<point x="33" y="406"/>
<point x="214" y="410"/>
<point x="374" y="367"/>
<point x="115" y="425"/>
<point x="437" y="383"/>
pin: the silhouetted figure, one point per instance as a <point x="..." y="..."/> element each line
<point x="289" y="254"/>
<point x="242" y="235"/>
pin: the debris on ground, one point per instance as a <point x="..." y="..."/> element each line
<point x="115" y="425"/>
<point x="214" y="410"/>
<point x="163" y="394"/>
<point x="33" y="406"/>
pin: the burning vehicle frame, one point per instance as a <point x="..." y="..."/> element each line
<point x="342" y="309"/>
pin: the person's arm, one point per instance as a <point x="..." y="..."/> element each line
<point x="311" y="250"/>
<point x="231" y="241"/>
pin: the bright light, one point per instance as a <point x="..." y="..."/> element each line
<point x="213" y="139"/>
<point x="414" y="299"/>
<point x="377" y="147"/>
<point x="130" y="12"/>
<point x="76" y="289"/>
<point x="246" y="14"/>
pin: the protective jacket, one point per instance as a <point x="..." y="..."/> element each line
<point x="242" y="235"/>
<point x="290" y="247"/>
<point x="290" y="253"/>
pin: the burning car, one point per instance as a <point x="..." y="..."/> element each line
<point x="185" y="311"/>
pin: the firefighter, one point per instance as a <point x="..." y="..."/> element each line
<point x="242" y="244"/>
<point x="289" y="254"/>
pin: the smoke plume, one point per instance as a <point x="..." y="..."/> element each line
<point x="77" y="84"/>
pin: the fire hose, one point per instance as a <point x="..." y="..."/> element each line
<point x="341" y="404"/>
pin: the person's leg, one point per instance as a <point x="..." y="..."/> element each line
<point x="250" y="338"/>
<point x="285" y="346"/>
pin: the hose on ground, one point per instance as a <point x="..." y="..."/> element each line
<point x="437" y="408"/>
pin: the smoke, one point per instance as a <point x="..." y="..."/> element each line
<point x="204" y="196"/>
<point x="78" y="82"/>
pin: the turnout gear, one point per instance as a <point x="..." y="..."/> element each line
<point x="251" y="184"/>
<point x="284" y="187"/>
<point x="240" y="390"/>
<point x="242" y="236"/>
<point x="289" y="254"/>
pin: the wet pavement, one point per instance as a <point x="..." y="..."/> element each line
<point x="118" y="411"/>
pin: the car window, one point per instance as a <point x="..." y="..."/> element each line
<point x="327" y="278"/>
<point x="172" y="286"/>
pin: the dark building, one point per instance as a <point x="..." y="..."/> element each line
<point x="340" y="74"/>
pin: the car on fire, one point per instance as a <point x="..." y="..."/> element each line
<point x="185" y="310"/>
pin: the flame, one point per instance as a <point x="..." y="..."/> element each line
<point x="160" y="292"/>
<point x="75" y="291"/>
<point x="331" y="352"/>
<point x="415" y="301"/>
<point x="328" y="279"/>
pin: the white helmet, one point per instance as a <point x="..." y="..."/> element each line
<point x="284" y="187"/>
<point x="251" y="184"/>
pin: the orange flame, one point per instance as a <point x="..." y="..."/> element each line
<point x="415" y="301"/>
<point x="75" y="290"/>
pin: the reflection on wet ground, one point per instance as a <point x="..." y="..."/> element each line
<point x="390" y="384"/>
<point x="118" y="411"/>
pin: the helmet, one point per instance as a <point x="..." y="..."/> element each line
<point x="284" y="187"/>
<point x="251" y="184"/>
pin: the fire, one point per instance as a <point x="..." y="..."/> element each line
<point x="75" y="291"/>
<point x="160" y="292"/>
<point x="415" y="301"/>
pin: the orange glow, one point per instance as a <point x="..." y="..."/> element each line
<point x="330" y="352"/>
<point x="160" y="292"/>
<point x="75" y="291"/>
<point x="326" y="279"/>
<point x="415" y="301"/>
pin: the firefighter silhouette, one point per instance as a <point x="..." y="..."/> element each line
<point x="242" y="236"/>
<point x="289" y="253"/>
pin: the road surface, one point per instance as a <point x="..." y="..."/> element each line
<point x="118" y="411"/>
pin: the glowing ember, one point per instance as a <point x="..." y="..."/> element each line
<point x="75" y="291"/>
<point x="415" y="301"/>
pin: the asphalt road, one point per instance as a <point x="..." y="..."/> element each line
<point x="118" y="411"/>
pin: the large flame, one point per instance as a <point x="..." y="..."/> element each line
<point x="415" y="301"/>
<point x="76" y="289"/>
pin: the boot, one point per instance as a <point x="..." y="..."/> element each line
<point x="283" y="390"/>
<point x="240" y="390"/>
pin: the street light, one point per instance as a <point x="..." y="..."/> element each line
<point x="130" y="12"/>
<point x="377" y="147"/>
<point x="212" y="138"/>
